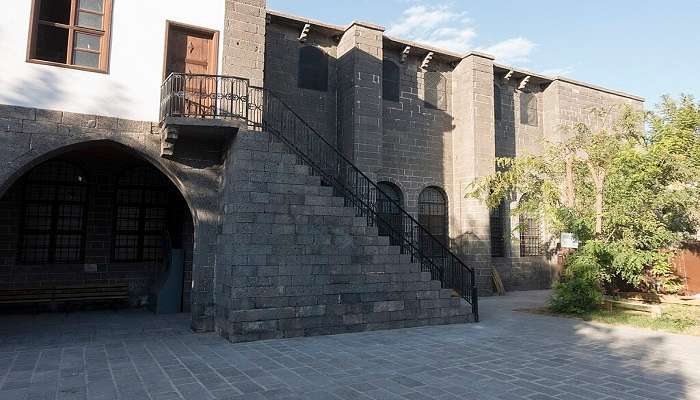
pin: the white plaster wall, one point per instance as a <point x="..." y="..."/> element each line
<point x="131" y="88"/>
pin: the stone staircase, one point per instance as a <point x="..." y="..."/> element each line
<point x="297" y="261"/>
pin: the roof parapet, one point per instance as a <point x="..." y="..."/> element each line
<point x="417" y="47"/>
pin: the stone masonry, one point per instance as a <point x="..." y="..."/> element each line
<point x="414" y="146"/>
<point x="299" y="262"/>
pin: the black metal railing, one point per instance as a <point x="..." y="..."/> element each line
<point x="263" y="110"/>
<point x="205" y="96"/>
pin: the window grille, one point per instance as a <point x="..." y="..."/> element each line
<point x="141" y="215"/>
<point x="497" y="227"/>
<point x="432" y="214"/>
<point x="435" y="90"/>
<point x="528" y="109"/>
<point x="54" y="214"/>
<point x="530" y="236"/>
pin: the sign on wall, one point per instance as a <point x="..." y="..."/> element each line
<point x="568" y="241"/>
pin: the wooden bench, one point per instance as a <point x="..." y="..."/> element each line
<point x="65" y="294"/>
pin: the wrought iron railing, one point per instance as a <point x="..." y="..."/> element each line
<point x="206" y="96"/>
<point x="264" y="110"/>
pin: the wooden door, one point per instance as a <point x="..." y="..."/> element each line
<point x="193" y="51"/>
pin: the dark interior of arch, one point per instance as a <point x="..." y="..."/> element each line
<point x="95" y="215"/>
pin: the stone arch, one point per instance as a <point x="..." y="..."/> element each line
<point x="197" y="182"/>
<point x="44" y="152"/>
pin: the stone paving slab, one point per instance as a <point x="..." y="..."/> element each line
<point x="509" y="355"/>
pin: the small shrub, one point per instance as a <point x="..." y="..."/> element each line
<point x="579" y="290"/>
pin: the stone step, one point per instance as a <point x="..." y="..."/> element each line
<point x="336" y="293"/>
<point x="282" y="188"/>
<point x="353" y="302"/>
<point x="382" y="259"/>
<point x="275" y="177"/>
<point x="289" y="319"/>
<point x="376" y="240"/>
<point x="302" y="262"/>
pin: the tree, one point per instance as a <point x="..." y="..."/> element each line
<point x="631" y="194"/>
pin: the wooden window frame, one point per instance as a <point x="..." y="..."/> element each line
<point x="72" y="27"/>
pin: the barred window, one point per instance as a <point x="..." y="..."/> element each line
<point x="390" y="223"/>
<point x="313" y="69"/>
<point x="497" y="227"/>
<point x="141" y="215"/>
<point x="528" y="109"/>
<point x="435" y="90"/>
<point x="530" y="239"/>
<point x="432" y="214"/>
<point x="53" y="218"/>
<point x="391" y="76"/>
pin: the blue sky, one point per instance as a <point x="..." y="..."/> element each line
<point x="644" y="47"/>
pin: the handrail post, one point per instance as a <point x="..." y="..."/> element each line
<point x="475" y="301"/>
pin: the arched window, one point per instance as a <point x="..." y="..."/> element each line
<point x="528" y="109"/>
<point x="391" y="77"/>
<point x="391" y="221"/>
<point x="141" y="216"/>
<point x="53" y="220"/>
<point x="313" y="69"/>
<point x="435" y="90"/>
<point x="432" y="214"/>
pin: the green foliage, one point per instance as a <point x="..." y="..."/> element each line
<point x="579" y="290"/>
<point x="647" y="183"/>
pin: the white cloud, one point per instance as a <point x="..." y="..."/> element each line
<point x="564" y="71"/>
<point x="440" y="26"/>
<point x="445" y="27"/>
<point x="515" y="50"/>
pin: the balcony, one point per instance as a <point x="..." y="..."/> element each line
<point x="199" y="113"/>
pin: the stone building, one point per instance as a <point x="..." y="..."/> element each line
<point x="312" y="174"/>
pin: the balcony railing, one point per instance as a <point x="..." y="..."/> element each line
<point x="220" y="97"/>
<point x="208" y="97"/>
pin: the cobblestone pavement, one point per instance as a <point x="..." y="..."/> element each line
<point x="509" y="355"/>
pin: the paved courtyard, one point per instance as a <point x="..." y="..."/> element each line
<point x="509" y="355"/>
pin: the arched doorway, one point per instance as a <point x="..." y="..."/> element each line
<point x="390" y="219"/>
<point x="93" y="216"/>
<point x="432" y="214"/>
